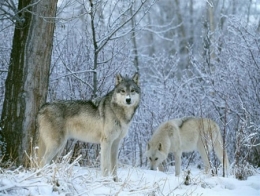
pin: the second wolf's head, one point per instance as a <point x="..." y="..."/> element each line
<point x="155" y="155"/>
<point x="127" y="91"/>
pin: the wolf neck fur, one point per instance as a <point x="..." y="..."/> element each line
<point x="122" y="113"/>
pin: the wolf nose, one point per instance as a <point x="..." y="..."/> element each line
<point x="128" y="100"/>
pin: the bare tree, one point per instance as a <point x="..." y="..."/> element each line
<point x="28" y="74"/>
<point x="116" y="26"/>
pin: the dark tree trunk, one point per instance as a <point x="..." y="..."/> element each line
<point x="27" y="81"/>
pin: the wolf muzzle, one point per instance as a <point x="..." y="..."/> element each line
<point x="152" y="168"/>
<point x="128" y="99"/>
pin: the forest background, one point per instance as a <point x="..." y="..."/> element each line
<point x="194" y="57"/>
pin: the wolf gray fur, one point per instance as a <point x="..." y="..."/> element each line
<point x="105" y="121"/>
<point x="185" y="135"/>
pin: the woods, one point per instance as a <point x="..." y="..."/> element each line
<point x="195" y="58"/>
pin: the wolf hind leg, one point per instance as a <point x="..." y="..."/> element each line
<point x="51" y="151"/>
<point x="218" y="147"/>
<point x="204" y="156"/>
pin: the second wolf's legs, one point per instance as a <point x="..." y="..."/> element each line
<point x="218" y="147"/>
<point x="204" y="156"/>
<point x="177" y="157"/>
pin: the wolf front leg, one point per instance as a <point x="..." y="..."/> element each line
<point x="105" y="156"/>
<point x="114" y="158"/>
<point x="177" y="156"/>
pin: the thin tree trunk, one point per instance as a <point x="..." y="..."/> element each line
<point x="28" y="75"/>
<point x="182" y="36"/>
<point x="133" y="36"/>
<point x="96" y="52"/>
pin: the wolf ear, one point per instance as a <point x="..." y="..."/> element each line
<point x="136" y="78"/>
<point x="119" y="79"/>
<point x="160" y="146"/>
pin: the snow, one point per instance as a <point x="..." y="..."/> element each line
<point x="71" y="179"/>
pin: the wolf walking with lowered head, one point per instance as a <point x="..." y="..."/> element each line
<point x="105" y="122"/>
<point x="186" y="135"/>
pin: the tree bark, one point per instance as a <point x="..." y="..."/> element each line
<point x="133" y="37"/>
<point x="96" y="50"/>
<point x="28" y="76"/>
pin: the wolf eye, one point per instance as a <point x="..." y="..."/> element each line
<point x="150" y="158"/>
<point x="156" y="159"/>
<point x="133" y="90"/>
<point x="122" y="91"/>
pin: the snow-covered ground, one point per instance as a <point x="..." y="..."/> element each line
<point x="71" y="179"/>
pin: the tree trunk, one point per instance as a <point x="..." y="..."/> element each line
<point x="133" y="37"/>
<point x="183" y="50"/>
<point x="27" y="81"/>
<point x="96" y="50"/>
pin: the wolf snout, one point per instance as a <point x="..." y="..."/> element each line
<point x="128" y="100"/>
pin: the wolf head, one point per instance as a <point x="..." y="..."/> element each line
<point x="155" y="155"/>
<point x="127" y="90"/>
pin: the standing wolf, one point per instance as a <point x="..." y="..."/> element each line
<point x="105" y="122"/>
<point x="185" y="135"/>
